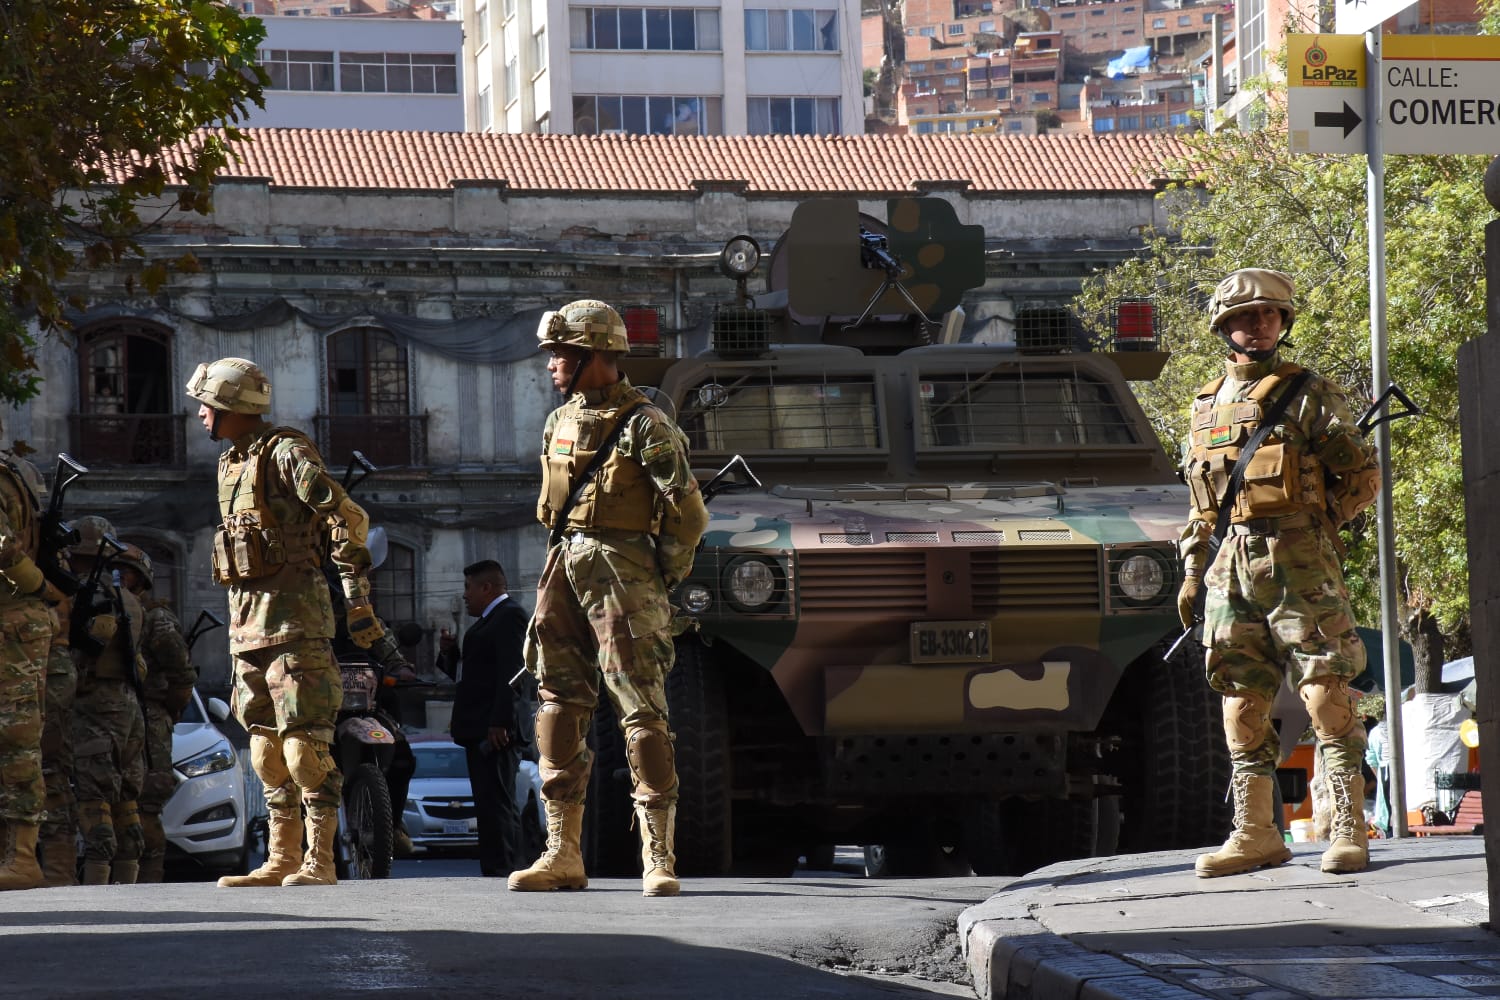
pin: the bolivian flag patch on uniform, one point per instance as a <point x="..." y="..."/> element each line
<point x="652" y="452"/>
<point x="1219" y="435"/>
<point x="562" y="446"/>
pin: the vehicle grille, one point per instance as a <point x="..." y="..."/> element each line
<point x="895" y="580"/>
<point x="1043" y="578"/>
<point x="446" y="810"/>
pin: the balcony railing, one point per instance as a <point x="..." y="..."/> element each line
<point x="110" y="439"/>
<point x="384" y="440"/>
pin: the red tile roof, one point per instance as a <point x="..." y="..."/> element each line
<point x="779" y="165"/>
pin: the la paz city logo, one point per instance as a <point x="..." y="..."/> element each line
<point x="1318" y="73"/>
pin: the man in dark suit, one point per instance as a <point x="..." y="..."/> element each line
<point x="484" y="710"/>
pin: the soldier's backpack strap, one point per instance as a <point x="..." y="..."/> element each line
<point x="595" y="464"/>
<point x="1237" y="474"/>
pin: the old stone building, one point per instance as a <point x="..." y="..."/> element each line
<point x="390" y="284"/>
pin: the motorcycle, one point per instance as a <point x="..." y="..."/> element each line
<point x="368" y="742"/>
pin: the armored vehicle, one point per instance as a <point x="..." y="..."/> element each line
<point x="932" y="604"/>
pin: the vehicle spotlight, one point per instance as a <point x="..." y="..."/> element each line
<point x="740" y="257"/>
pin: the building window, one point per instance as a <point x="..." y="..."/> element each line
<point x="485" y="111"/>
<point x="1179" y="119"/>
<point x="539" y="50"/>
<point x="1002" y="93"/>
<point x="1158" y="22"/>
<point x="955" y="29"/>
<point x="681" y="29"/>
<point x="1128" y="31"/>
<point x="1039" y="97"/>
<point x="1130" y="123"/>
<point x="398" y="73"/>
<point x="1156" y="121"/>
<point x="987" y="26"/>
<point x="298" y="69"/>
<point x="126" y="397"/>
<point x="1068" y="15"/>
<point x="1184" y="20"/>
<point x="795" y="30"/>
<point x="512" y="80"/>
<point x="952" y="81"/>
<point x="393" y="584"/>
<point x="793" y="115"/>
<point x="369" y="407"/>
<point x="507" y="10"/>
<point x="640" y="115"/>
<point x="927" y="32"/>
<point x="920" y="67"/>
<point x="482" y="26"/>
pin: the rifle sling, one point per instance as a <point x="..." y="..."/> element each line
<point x="595" y="464"/>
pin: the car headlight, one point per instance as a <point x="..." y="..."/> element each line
<point x="696" y="598"/>
<point x="219" y="757"/>
<point x="753" y="584"/>
<point x="1141" y="577"/>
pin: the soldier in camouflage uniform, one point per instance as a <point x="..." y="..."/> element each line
<point x="27" y="631"/>
<point x="109" y="731"/>
<point x="1276" y="605"/>
<point x="281" y="511"/>
<point x="59" y="832"/>
<point x="170" y="678"/>
<point x="602" y="599"/>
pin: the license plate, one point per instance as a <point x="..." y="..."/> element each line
<point x="455" y="826"/>
<point x="950" y="642"/>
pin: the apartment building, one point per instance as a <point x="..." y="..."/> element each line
<point x="770" y="67"/>
<point x="400" y="74"/>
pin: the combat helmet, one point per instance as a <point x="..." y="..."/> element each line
<point x="233" y="385"/>
<point x="91" y="530"/>
<point x="1251" y="287"/>
<point x="586" y="323"/>
<point x="136" y="559"/>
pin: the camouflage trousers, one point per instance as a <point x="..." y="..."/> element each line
<point x="25" y="634"/>
<point x="1276" y="609"/>
<point x="159" y="783"/>
<point x="109" y="766"/>
<point x="291" y="689"/>
<point x="601" y="610"/>
<point x="57" y="745"/>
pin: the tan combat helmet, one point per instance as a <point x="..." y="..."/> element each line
<point x="233" y="385"/>
<point x="91" y="530"/>
<point x="1251" y="287"/>
<point x="586" y="323"/>
<point x="135" y="558"/>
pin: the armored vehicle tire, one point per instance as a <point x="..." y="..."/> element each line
<point x="1173" y="764"/>
<point x="609" y="841"/>
<point x="699" y="714"/>
<point x="913" y="861"/>
<point x="368" y="837"/>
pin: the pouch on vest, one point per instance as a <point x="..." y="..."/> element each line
<point x="1273" y="483"/>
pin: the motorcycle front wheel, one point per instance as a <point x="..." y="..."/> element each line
<point x="367" y="837"/>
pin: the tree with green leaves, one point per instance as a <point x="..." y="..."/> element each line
<point x="101" y="103"/>
<point x="1245" y="201"/>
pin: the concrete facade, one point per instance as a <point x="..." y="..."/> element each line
<point x="399" y="74"/>
<point x="553" y="66"/>
<point x="296" y="279"/>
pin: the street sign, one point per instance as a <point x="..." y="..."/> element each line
<point x="1355" y="17"/>
<point x="1440" y="93"/>
<point x="1326" y="93"/>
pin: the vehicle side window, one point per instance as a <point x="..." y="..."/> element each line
<point x="743" y="412"/>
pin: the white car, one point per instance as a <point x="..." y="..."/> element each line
<point x="439" y="808"/>
<point x="215" y="817"/>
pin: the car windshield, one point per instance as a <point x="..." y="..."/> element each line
<point x="193" y="713"/>
<point x="440" y="762"/>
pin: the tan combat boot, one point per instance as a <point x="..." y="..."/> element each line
<point x="658" y="862"/>
<point x="561" y="864"/>
<point x="60" y="859"/>
<point x="317" y="863"/>
<point x="1350" y="850"/>
<point x="283" y="851"/>
<point x="124" y="872"/>
<point x="1255" y="842"/>
<point x="19" y="869"/>
<point x="96" y="873"/>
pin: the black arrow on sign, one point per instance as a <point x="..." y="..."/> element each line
<point x="1347" y="119"/>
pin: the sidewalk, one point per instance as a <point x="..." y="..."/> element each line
<point x="1144" y="926"/>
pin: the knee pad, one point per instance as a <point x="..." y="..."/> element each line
<point x="559" y="733"/>
<point x="98" y="829"/>
<point x="653" y="762"/>
<point x="307" y="760"/>
<point x="1247" y="721"/>
<point x="266" y="759"/>
<point x="1328" y="703"/>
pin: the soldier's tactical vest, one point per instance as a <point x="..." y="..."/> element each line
<point x="251" y="543"/>
<point x="621" y="496"/>
<point x="25" y="517"/>
<point x="1282" y="477"/>
<point x="121" y="655"/>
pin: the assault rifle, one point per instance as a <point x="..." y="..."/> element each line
<point x="207" y="621"/>
<point x="1376" y="414"/>
<point x="57" y="535"/>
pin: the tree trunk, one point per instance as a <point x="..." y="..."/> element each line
<point x="1427" y="649"/>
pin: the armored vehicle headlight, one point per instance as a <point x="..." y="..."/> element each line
<point x="1141" y="577"/>
<point x="752" y="584"/>
<point x="696" y="598"/>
